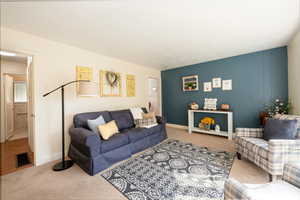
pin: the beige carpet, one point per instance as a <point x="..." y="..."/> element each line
<point x="41" y="183"/>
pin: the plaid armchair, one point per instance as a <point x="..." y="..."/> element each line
<point x="269" y="155"/>
<point x="288" y="188"/>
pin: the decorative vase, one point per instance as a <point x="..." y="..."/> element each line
<point x="217" y="128"/>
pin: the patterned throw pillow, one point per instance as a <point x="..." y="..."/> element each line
<point x="145" y="123"/>
<point x="109" y="129"/>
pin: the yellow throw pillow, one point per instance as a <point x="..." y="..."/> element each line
<point x="109" y="129"/>
<point x="149" y="115"/>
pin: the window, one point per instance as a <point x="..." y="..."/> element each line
<point x="20" y="92"/>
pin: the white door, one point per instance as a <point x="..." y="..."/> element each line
<point x="153" y="95"/>
<point x="9" y="104"/>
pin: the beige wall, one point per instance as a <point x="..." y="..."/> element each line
<point x="9" y="67"/>
<point x="294" y="73"/>
<point x="54" y="63"/>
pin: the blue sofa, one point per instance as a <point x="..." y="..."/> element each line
<point x="94" y="154"/>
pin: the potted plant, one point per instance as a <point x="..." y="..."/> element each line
<point x="276" y="107"/>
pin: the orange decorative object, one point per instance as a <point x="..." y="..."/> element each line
<point x="225" y="107"/>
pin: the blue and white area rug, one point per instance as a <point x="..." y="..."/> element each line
<point x="173" y="170"/>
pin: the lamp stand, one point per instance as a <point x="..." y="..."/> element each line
<point x="64" y="164"/>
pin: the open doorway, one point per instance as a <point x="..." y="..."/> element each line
<point x="153" y="96"/>
<point x="17" y="149"/>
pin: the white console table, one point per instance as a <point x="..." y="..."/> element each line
<point x="213" y="132"/>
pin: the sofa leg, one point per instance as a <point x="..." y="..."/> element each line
<point x="272" y="177"/>
<point x="239" y="156"/>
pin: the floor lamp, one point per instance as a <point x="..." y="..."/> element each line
<point x="84" y="89"/>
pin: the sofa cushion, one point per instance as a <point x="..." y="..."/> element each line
<point x="280" y="129"/>
<point x="114" y="142"/>
<point x="155" y="129"/>
<point x="123" y="119"/>
<point x="255" y="146"/>
<point x="80" y="120"/>
<point x="136" y="134"/>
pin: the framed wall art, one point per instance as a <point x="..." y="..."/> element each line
<point x="190" y="83"/>
<point x="216" y="82"/>
<point x="227" y="84"/>
<point x="130" y="85"/>
<point x="207" y="87"/>
<point x="83" y="73"/>
<point x="110" y="84"/>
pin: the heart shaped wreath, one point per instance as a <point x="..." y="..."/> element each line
<point x="112" y="78"/>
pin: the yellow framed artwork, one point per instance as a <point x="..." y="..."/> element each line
<point x="110" y="84"/>
<point x="83" y="73"/>
<point x="130" y="85"/>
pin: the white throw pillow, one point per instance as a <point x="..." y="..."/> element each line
<point x="137" y="113"/>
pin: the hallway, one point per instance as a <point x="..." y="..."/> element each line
<point x="19" y="133"/>
<point x="9" y="151"/>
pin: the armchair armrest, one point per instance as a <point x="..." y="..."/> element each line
<point x="291" y="174"/>
<point x="249" y="132"/>
<point x="161" y="120"/>
<point x="86" y="141"/>
<point x="282" y="152"/>
<point x="235" y="190"/>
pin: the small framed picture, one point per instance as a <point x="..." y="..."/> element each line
<point x="190" y="83"/>
<point x="207" y="87"/>
<point x="227" y="84"/>
<point x="217" y="82"/>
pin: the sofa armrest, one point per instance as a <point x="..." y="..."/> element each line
<point x="249" y="132"/>
<point x="161" y="120"/>
<point x="291" y="174"/>
<point x="233" y="189"/>
<point x="85" y="141"/>
<point x="282" y="152"/>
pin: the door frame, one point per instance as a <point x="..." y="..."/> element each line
<point x="6" y="131"/>
<point x="30" y="109"/>
<point x="158" y="91"/>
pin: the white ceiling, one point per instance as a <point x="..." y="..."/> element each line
<point x="160" y="33"/>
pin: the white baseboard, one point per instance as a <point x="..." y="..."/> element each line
<point x="177" y="126"/>
<point x="49" y="158"/>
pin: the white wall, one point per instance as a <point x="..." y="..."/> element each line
<point x="294" y="73"/>
<point x="54" y="64"/>
<point x="10" y="67"/>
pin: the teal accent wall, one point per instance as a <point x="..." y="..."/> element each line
<point x="257" y="79"/>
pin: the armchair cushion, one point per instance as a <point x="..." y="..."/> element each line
<point x="280" y="129"/>
<point x="235" y="190"/>
<point x="255" y="146"/>
<point x="282" y="152"/>
<point x="249" y="132"/>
